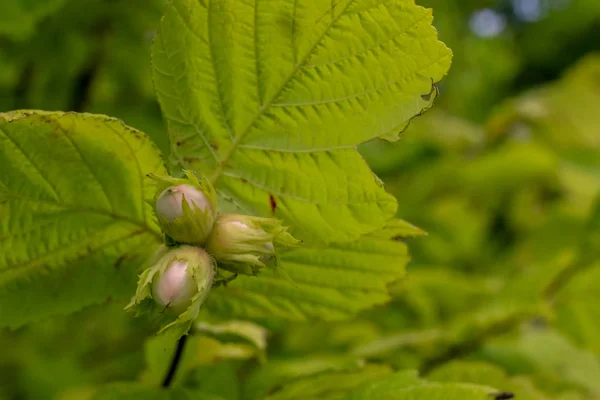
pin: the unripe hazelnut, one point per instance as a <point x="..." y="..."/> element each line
<point x="244" y="244"/>
<point x="185" y="213"/>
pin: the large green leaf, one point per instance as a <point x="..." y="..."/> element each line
<point x="74" y="225"/>
<point x="270" y="99"/>
<point x="328" y="282"/>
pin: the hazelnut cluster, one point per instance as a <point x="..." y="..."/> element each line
<point x="202" y="247"/>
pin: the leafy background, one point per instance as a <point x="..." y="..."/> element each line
<point x="503" y="174"/>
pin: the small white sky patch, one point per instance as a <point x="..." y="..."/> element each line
<point x="529" y="10"/>
<point x="487" y="23"/>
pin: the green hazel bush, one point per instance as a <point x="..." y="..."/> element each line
<point x="270" y="260"/>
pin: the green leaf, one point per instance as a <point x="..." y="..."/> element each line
<point x="406" y="385"/>
<point x="578" y="309"/>
<point x="398" y="228"/>
<point x="450" y="325"/>
<point x="592" y="241"/>
<point x="487" y="374"/>
<point x="433" y="294"/>
<point x="373" y="381"/>
<point x="429" y="391"/>
<point x="271" y="99"/>
<point x="276" y="373"/>
<point x="457" y="326"/>
<point x="550" y="355"/>
<point x="512" y="166"/>
<point x="388" y="383"/>
<point x="474" y="372"/>
<point x="135" y="391"/>
<point x="74" y="224"/>
<point x="238" y="331"/>
<point x="331" y="385"/>
<point x="330" y="282"/>
<point x="547" y="113"/>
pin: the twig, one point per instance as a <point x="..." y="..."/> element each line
<point x="175" y="362"/>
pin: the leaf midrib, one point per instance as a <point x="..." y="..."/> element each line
<point x="238" y="139"/>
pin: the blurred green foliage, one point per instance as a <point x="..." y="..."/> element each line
<point x="503" y="174"/>
<point x="88" y="55"/>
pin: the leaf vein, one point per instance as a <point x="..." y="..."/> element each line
<point x="138" y="167"/>
<point x="391" y="270"/>
<point x="370" y="48"/>
<point x="311" y="150"/>
<point x="298" y="198"/>
<point x="199" y="132"/>
<point x="89" y="167"/>
<point x="37" y="168"/>
<point x="363" y="93"/>
<point x="211" y="55"/>
<point x="256" y="55"/>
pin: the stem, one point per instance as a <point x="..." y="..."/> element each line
<point x="566" y="275"/>
<point x="175" y="362"/>
<point x="470" y="344"/>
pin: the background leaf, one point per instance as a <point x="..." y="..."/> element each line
<point x="371" y="381"/>
<point x="333" y="385"/>
<point x="134" y="391"/>
<point x="74" y="223"/>
<point x="487" y="374"/>
<point x="19" y="17"/>
<point x="391" y="390"/>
